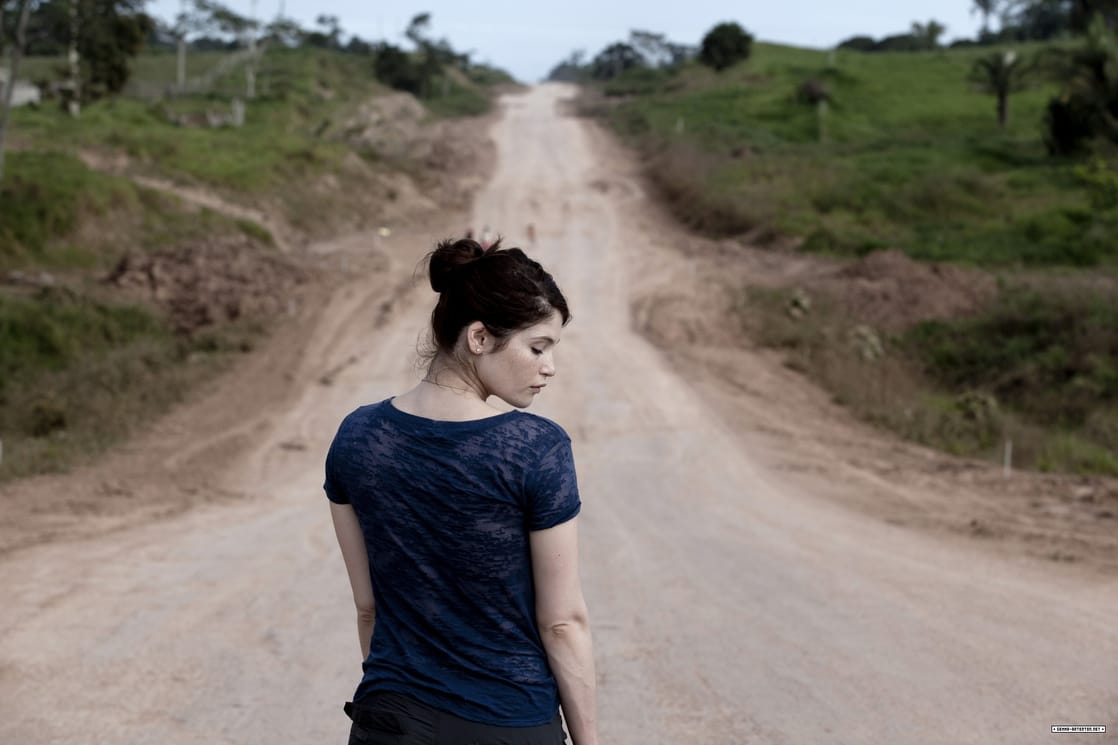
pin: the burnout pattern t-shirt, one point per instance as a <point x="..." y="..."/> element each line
<point x="446" y="508"/>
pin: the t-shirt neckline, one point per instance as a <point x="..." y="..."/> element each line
<point x="462" y="424"/>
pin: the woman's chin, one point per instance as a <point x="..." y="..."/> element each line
<point x="519" y="402"/>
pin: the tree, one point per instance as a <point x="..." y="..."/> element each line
<point x="434" y="54"/>
<point x="1047" y="19"/>
<point x="570" y="70"/>
<point x="614" y="60"/>
<point x="928" y="34"/>
<point x="859" y="43"/>
<point x="330" y="35"/>
<point x="17" y="46"/>
<point x="999" y="74"/>
<point x="1088" y="104"/>
<point x="394" y="67"/>
<point x="658" y="51"/>
<point x="987" y="8"/>
<point x="724" y="45"/>
<point x="285" y="32"/>
<point x="416" y="32"/>
<point x="357" y="45"/>
<point x="109" y="34"/>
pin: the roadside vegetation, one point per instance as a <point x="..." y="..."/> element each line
<point x="998" y="155"/>
<point x="116" y="299"/>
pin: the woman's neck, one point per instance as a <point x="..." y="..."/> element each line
<point x="444" y="393"/>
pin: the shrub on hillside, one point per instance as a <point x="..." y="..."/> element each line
<point x="1069" y="123"/>
<point x="859" y="44"/>
<point x="395" y="68"/>
<point x="1088" y="106"/>
<point x="724" y="45"/>
<point x="1049" y="355"/>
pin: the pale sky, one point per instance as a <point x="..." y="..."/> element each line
<point x="529" y="38"/>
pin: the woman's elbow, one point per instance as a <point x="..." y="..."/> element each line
<point x="562" y="625"/>
<point x="366" y="611"/>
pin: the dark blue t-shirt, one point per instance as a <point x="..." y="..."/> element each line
<point x="446" y="508"/>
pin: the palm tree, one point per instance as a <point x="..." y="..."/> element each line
<point x="987" y="8"/>
<point x="928" y="33"/>
<point x="999" y="74"/>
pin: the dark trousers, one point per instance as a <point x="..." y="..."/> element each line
<point x="395" y="719"/>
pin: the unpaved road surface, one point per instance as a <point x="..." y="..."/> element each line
<point x="733" y="600"/>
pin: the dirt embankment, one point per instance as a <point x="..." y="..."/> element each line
<point x="693" y="311"/>
<point x="355" y="259"/>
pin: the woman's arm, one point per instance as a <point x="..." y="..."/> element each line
<point x="352" y="542"/>
<point x="564" y="625"/>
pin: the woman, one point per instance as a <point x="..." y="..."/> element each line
<point x="458" y="526"/>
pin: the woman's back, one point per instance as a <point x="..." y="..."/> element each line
<point x="446" y="508"/>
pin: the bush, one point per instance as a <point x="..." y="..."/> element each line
<point x="395" y="68"/>
<point x="859" y="43"/>
<point x="724" y="45"/>
<point x="1049" y="356"/>
<point x="902" y="43"/>
<point x="1069" y="123"/>
<point x="1102" y="183"/>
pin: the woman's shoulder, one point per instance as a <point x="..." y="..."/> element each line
<point x="540" y="430"/>
<point x="362" y="416"/>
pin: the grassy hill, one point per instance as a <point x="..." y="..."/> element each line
<point x="908" y="156"/>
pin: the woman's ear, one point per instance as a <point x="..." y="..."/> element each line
<point x="476" y="336"/>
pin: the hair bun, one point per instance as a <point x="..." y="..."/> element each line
<point x="449" y="257"/>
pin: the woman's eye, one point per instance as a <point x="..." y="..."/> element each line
<point x="537" y="351"/>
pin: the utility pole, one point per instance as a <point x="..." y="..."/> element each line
<point x="250" y="68"/>
<point x="180" y="79"/>
<point x="13" y="75"/>
<point x="75" y="79"/>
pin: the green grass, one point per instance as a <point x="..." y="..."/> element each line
<point x="908" y="156"/>
<point x="301" y="94"/>
<point x="152" y="72"/>
<point x="79" y="372"/>
<point x="44" y="195"/>
<point x="49" y="330"/>
<point x="57" y="214"/>
<point x="292" y="131"/>
<point x="1037" y="369"/>
<point x="454" y="96"/>
<point x="1052" y="356"/>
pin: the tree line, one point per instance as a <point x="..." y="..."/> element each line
<point x="724" y="45"/>
<point x="1086" y="67"/>
<point x="99" y="40"/>
<point x="1019" y="20"/>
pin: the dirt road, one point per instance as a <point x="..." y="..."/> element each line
<point x="732" y="603"/>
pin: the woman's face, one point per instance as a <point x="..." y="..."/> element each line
<point x="518" y="371"/>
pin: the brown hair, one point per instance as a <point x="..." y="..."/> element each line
<point x="501" y="287"/>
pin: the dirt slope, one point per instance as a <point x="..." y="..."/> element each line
<point x="736" y="595"/>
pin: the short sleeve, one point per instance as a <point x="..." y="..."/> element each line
<point x="334" y="480"/>
<point x="553" y="489"/>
